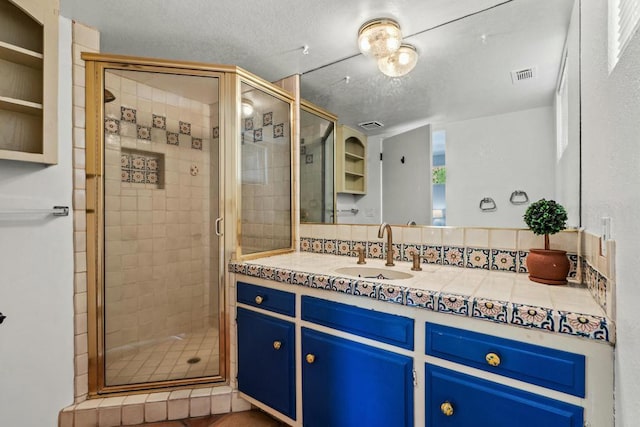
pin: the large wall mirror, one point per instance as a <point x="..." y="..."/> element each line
<point x="486" y="123"/>
<point x="317" y="160"/>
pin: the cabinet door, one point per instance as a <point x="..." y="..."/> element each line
<point x="459" y="400"/>
<point x="266" y="362"/>
<point x="348" y="384"/>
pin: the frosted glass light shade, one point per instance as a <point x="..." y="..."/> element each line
<point x="379" y="37"/>
<point x="246" y="108"/>
<point x="400" y="62"/>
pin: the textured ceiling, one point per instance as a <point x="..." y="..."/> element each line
<point x="457" y="76"/>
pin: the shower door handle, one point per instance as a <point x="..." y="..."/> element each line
<point x="218" y="230"/>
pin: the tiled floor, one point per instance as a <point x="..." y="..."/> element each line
<point x="238" y="419"/>
<point x="165" y="360"/>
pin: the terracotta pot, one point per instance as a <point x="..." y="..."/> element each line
<point x="548" y="266"/>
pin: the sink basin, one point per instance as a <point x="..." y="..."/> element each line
<point x="374" y="273"/>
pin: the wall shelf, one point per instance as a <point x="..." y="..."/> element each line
<point x="28" y="91"/>
<point x="351" y="161"/>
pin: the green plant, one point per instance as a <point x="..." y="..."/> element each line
<point x="439" y="175"/>
<point x="545" y="217"/>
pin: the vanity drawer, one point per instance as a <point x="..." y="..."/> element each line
<point x="384" y="327"/>
<point x="543" y="366"/>
<point x="454" y="399"/>
<point x="266" y="298"/>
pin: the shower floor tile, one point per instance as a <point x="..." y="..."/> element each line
<point x="181" y="356"/>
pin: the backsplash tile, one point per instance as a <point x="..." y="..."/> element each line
<point x="503" y="260"/>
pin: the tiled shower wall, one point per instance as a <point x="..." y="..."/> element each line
<point x="157" y="213"/>
<point x="311" y="205"/>
<point x="266" y="179"/>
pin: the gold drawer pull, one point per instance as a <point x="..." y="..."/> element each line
<point x="259" y="299"/>
<point x="493" y="359"/>
<point x="277" y="345"/>
<point x="447" y="409"/>
<point x="310" y="358"/>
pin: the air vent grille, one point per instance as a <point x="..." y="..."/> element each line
<point x="372" y="125"/>
<point x="518" y="76"/>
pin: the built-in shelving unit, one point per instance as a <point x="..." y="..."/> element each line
<point x="351" y="159"/>
<point x="28" y="88"/>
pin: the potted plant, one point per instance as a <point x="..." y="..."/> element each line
<point x="550" y="266"/>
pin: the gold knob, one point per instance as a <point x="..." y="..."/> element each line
<point x="310" y="358"/>
<point x="259" y="299"/>
<point x="493" y="359"/>
<point x="447" y="409"/>
<point x="277" y="345"/>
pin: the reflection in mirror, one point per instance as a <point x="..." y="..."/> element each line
<point x="500" y="88"/>
<point x="317" y="148"/>
<point x="265" y="172"/>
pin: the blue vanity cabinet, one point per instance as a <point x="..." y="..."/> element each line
<point x="454" y="399"/>
<point x="348" y="384"/>
<point x="266" y="360"/>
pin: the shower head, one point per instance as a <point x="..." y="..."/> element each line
<point x="108" y="96"/>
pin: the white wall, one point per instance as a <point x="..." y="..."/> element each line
<point x="481" y="154"/>
<point x="611" y="183"/>
<point x="36" y="278"/>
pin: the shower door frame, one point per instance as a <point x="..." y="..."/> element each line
<point x="96" y="64"/>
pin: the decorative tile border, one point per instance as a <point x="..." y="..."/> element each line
<point x="456" y="256"/>
<point x="140" y="167"/>
<point x="598" y="284"/>
<point x="528" y="316"/>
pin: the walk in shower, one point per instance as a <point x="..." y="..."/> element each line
<point x="187" y="165"/>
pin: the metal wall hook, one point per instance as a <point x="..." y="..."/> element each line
<point x="488" y="205"/>
<point x="519" y="197"/>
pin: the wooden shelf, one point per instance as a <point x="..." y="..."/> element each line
<point x="19" y="55"/>
<point x="20" y="106"/>
<point x="351" y="161"/>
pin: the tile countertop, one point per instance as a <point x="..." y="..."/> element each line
<point x="502" y="297"/>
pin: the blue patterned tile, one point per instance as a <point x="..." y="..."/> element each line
<point x="432" y="254"/>
<point x="320" y="281"/>
<point x="159" y="122"/>
<point x="344" y="247"/>
<point x="257" y="135"/>
<point x="248" y="124"/>
<point x="573" y="265"/>
<point x="522" y="261"/>
<point x="478" y="258"/>
<point x="184" y="128"/>
<point x="452" y="255"/>
<point x="408" y="251"/>
<point x="267" y="119"/>
<point x="584" y="325"/>
<point x="503" y="260"/>
<point x="173" y="138"/>
<point x="128" y="114"/>
<point x="215" y="132"/>
<point x="268" y="273"/>
<point x="531" y="316"/>
<point x="283" y="275"/>
<point x="375" y="250"/>
<point x="391" y="293"/>
<point x="253" y="270"/>
<point x="305" y="244"/>
<point x="143" y="132"/>
<point x="112" y="126"/>
<point x="300" y="278"/>
<point x="278" y="130"/>
<point x="452" y="303"/>
<point x="496" y="311"/>
<point x="360" y="245"/>
<point x="419" y="298"/>
<point x="317" y="246"/>
<point x="364" y="288"/>
<point x="341" y="284"/>
<point x="196" y="143"/>
<point x="329" y="247"/>
<point x="397" y="251"/>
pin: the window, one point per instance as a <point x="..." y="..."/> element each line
<point x="624" y="16"/>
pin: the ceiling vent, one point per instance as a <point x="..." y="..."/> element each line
<point x="372" y="125"/>
<point x="518" y="76"/>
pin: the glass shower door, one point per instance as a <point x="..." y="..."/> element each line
<point x="161" y="289"/>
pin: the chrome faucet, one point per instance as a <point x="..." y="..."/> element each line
<point x="384" y="226"/>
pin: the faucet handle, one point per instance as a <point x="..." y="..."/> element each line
<point x="416" y="261"/>
<point x="360" y="252"/>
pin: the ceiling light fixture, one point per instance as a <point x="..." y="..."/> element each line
<point x="246" y="108"/>
<point x="379" y="37"/>
<point x="400" y="62"/>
